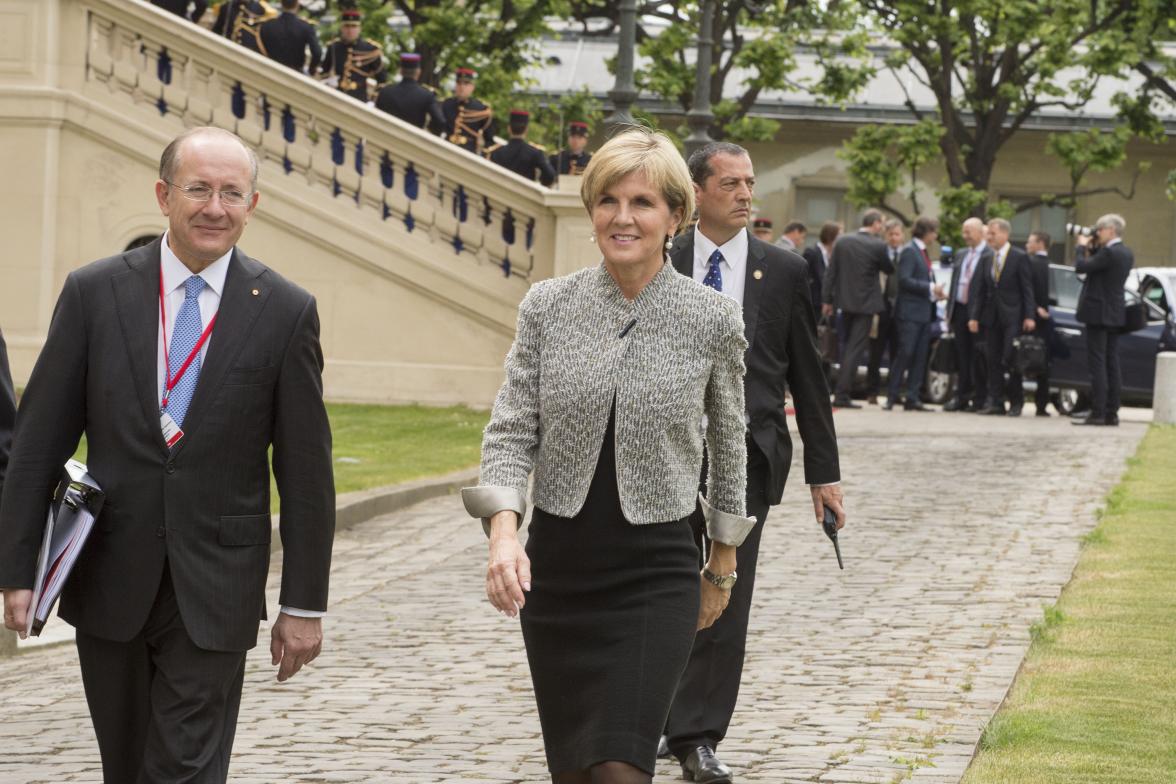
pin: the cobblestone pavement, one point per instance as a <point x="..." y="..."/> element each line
<point x="961" y="529"/>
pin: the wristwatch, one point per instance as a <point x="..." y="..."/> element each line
<point x="726" y="582"/>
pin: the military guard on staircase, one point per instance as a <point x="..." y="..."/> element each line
<point x="519" y="155"/>
<point x="241" y="20"/>
<point x="469" y="123"/>
<point x="408" y="99"/>
<point x="350" y="61"/>
<point x="574" y="159"/>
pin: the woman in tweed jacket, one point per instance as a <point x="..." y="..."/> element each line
<point x="618" y="375"/>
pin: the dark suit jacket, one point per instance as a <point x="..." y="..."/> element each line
<point x="1100" y="303"/>
<point x="286" y="39"/>
<point x="781" y="352"/>
<point x="7" y="411"/>
<point x="957" y="269"/>
<point x="851" y="282"/>
<point x="1039" y="264"/>
<point x="204" y="504"/>
<point x="412" y="102"/>
<point x="816" y="271"/>
<point x="180" y="8"/>
<point x="914" y="287"/>
<point x="1011" y="301"/>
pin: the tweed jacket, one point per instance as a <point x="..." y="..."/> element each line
<point x="668" y="357"/>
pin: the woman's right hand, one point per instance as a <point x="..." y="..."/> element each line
<point x="508" y="577"/>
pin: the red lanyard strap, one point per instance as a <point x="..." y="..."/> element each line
<point x="169" y="382"/>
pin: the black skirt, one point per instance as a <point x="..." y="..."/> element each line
<point x="608" y="625"/>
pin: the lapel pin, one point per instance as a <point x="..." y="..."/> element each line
<point x="757" y="274"/>
<point x="256" y="292"/>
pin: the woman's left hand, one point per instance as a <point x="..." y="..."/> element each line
<point x="713" y="601"/>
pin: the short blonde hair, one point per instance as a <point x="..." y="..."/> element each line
<point x="648" y="152"/>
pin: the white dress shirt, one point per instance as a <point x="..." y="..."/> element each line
<point x="175" y="274"/>
<point x="733" y="266"/>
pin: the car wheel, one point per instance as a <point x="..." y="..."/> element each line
<point x="940" y="387"/>
<point x="1067" y="401"/>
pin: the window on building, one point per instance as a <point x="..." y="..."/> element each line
<point x="815" y="206"/>
<point x="1051" y="220"/>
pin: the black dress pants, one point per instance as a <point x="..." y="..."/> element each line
<point x="1106" y="377"/>
<point x="970" y="386"/>
<point x="163" y="709"/>
<point x="705" y="700"/>
<point x="857" y="340"/>
<point x="914" y="340"/>
<point x="1000" y="366"/>
<point x="885" y="342"/>
<point x="1041" y="396"/>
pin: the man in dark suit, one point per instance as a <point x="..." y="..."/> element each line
<point x="1001" y="301"/>
<point x="1101" y="309"/>
<point x="180" y="8"/>
<point x="287" y="38"/>
<point x="771" y="285"/>
<point x="816" y="258"/>
<point x="410" y="100"/>
<point x="1037" y="246"/>
<point x="972" y="386"/>
<point x="851" y="286"/>
<point x="520" y="156"/>
<point x="883" y="333"/>
<point x="7" y="411"/>
<point x="182" y="362"/>
<point x="914" y="310"/>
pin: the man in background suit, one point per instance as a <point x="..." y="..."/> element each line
<point x="817" y="256"/>
<point x="1101" y="309"/>
<point x="182" y="362"/>
<point x="914" y="310"/>
<point x="883" y="333"/>
<point x="792" y="238"/>
<point x="1037" y="246"/>
<point x="287" y="38"/>
<point x="851" y="286"/>
<point x="770" y="284"/>
<point x="410" y="100"/>
<point x="972" y="386"/>
<point x="7" y="411"/>
<point x="1001" y="301"/>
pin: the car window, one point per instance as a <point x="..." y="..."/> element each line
<point x="1064" y="287"/>
<point x="1153" y="291"/>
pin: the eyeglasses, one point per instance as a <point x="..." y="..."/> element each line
<point x="229" y="198"/>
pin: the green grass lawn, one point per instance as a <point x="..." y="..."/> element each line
<point x="383" y="445"/>
<point x="1095" y="701"/>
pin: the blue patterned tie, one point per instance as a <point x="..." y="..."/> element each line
<point x="185" y="334"/>
<point x="714" y="275"/>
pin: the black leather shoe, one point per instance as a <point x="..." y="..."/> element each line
<point x="953" y="405"/>
<point x="1113" y="420"/>
<point x="1041" y="412"/>
<point x="703" y="766"/>
<point x="888" y="405"/>
<point x="1091" y="420"/>
<point x="844" y="402"/>
<point x="1014" y="411"/>
<point x="663" y="748"/>
<point x="992" y="411"/>
<point x="915" y="407"/>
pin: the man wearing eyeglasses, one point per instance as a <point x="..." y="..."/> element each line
<point x="182" y="362"/>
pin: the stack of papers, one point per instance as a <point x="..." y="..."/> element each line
<point x="75" y="506"/>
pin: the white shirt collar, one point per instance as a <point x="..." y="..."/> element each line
<point x="919" y="243"/>
<point x="1002" y="250"/>
<point x="1115" y="241"/>
<point x="734" y="250"/>
<point x="175" y="273"/>
<point x="980" y="247"/>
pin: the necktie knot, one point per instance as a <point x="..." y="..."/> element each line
<point x="193" y="286"/>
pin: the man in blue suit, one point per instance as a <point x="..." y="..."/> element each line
<point x="914" y="311"/>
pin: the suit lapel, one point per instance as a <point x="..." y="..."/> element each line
<point x="136" y="295"/>
<point x="752" y="287"/>
<point x="241" y="302"/>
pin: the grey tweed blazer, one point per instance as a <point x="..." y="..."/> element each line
<point x="670" y="356"/>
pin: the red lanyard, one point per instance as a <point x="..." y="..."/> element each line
<point x="169" y="383"/>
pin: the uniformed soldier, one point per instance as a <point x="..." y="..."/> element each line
<point x="410" y="100"/>
<point x="761" y="229"/>
<point x="469" y="123"/>
<point x="519" y="155"/>
<point x="239" y="20"/>
<point x="573" y="160"/>
<point x="180" y="8"/>
<point x="350" y="60"/>
<point x="287" y="38"/>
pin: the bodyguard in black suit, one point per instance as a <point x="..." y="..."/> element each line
<point x="782" y="353"/>
<point x="7" y="411"/>
<point x="1101" y="309"/>
<point x="1001" y="301"/>
<point x="914" y="310"/>
<point x="972" y="386"/>
<point x="167" y="594"/>
<point x="287" y="38"/>
<point x="520" y="156"/>
<point x="410" y="100"/>
<point x="816" y="258"/>
<point x="851" y="286"/>
<point x="1037" y="246"/>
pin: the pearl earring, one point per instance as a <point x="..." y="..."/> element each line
<point x="669" y="242"/>
<point x="593" y="237"/>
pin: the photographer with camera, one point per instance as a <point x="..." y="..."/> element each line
<point x="1101" y="309"/>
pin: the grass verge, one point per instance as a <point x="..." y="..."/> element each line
<point x="1095" y="701"/>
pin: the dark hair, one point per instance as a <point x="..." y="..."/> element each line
<point x="519" y="126"/>
<point x="289" y="5"/>
<point x="924" y="226"/>
<point x="1042" y="237"/>
<point x="829" y="232"/>
<point x="795" y="226"/>
<point x="870" y="217"/>
<point x="699" y="161"/>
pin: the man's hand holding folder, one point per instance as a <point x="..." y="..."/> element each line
<point x="16" y="608"/>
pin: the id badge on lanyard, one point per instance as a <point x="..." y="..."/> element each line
<point x="167" y="425"/>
